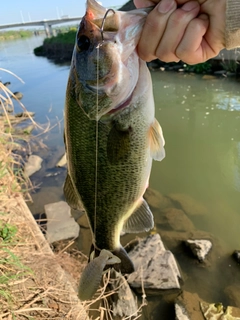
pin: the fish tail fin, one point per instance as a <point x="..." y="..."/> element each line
<point x="126" y="265"/>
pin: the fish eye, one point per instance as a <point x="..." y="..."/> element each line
<point x="83" y="43"/>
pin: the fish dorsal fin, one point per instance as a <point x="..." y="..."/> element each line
<point x="157" y="141"/>
<point x="71" y="195"/>
<point x="141" y="220"/>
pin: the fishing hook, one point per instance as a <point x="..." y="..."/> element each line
<point x="104" y="19"/>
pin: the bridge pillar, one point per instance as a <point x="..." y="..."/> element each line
<point x="48" y="29"/>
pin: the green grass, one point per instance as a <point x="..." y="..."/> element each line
<point x="7" y="231"/>
<point x="63" y="38"/>
<point x="11" y="267"/>
<point x="12" y="34"/>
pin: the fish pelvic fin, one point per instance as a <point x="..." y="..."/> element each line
<point x="92" y="274"/>
<point x="157" y="141"/>
<point x="71" y="195"/>
<point x="141" y="220"/>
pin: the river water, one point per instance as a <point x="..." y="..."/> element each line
<point x="201" y="124"/>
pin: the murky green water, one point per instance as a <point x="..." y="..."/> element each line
<point x="201" y="124"/>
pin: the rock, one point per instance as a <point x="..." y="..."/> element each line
<point x="24" y="114"/>
<point x="156" y="267"/>
<point x="187" y="307"/>
<point x="233" y="294"/>
<point x="181" y="313"/>
<point x="220" y="72"/>
<point x="17" y="95"/>
<point x="156" y="200"/>
<point x="216" y="311"/>
<point x="44" y="196"/>
<point x="234" y="312"/>
<point x="176" y="219"/>
<point x="124" y="301"/>
<point x="200" y="248"/>
<point x="32" y="165"/>
<point x="189" y="205"/>
<point x="25" y="130"/>
<point x="236" y="255"/>
<point x="62" y="162"/>
<point x="208" y="77"/>
<point x="60" y="224"/>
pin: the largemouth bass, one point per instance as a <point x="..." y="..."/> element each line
<point x="111" y="135"/>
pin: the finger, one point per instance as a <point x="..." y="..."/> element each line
<point x="175" y="29"/>
<point x="145" y="3"/>
<point x="154" y="28"/>
<point x="182" y="2"/>
<point x="193" y="48"/>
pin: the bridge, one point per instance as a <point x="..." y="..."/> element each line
<point x="47" y="24"/>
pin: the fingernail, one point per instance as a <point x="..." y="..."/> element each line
<point x="165" y="6"/>
<point x="190" y="6"/>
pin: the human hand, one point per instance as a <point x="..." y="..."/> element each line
<point x="191" y="31"/>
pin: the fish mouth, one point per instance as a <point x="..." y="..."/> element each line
<point x="122" y="105"/>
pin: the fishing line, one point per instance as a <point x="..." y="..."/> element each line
<point x="97" y="101"/>
<point x="96" y="150"/>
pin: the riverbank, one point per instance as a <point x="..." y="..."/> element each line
<point x="58" y="48"/>
<point x="12" y="34"/>
<point x="31" y="285"/>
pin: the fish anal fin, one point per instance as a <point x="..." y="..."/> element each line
<point x="157" y="141"/>
<point x="71" y="195"/>
<point x="141" y="220"/>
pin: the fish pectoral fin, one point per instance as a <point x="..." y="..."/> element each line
<point x="71" y="195"/>
<point x="141" y="220"/>
<point x="157" y="141"/>
<point x="118" y="145"/>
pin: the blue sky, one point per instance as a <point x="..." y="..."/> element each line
<point x="26" y="10"/>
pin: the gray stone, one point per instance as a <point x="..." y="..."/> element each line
<point x="156" y="267"/>
<point x="63" y="161"/>
<point x="187" y="307"/>
<point x="233" y="294"/>
<point x="181" y="312"/>
<point x="177" y="220"/>
<point x="17" y="95"/>
<point x="44" y="196"/>
<point x="236" y="255"/>
<point x="33" y="164"/>
<point x="60" y="224"/>
<point x="200" y="248"/>
<point x="156" y="200"/>
<point x="189" y="205"/>
<point x="220" y="72"/>
<point x="216" y="311"/>
<point x="125" y="301"/>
